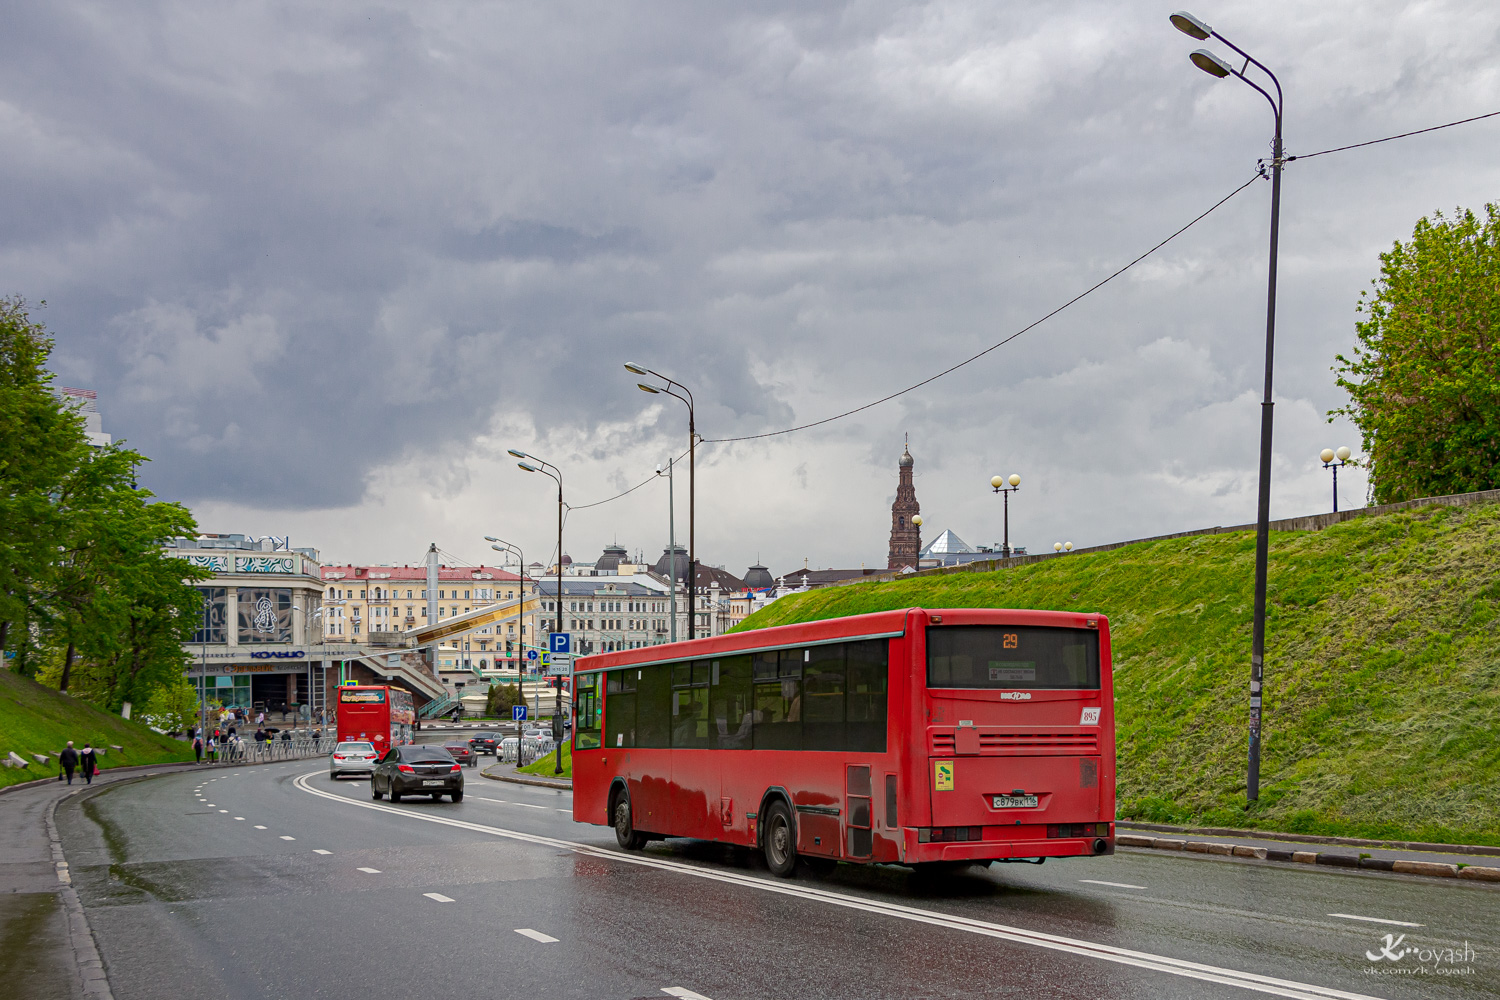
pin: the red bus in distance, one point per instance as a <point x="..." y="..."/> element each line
<point x="917" y="737"/>
<point x="376" y="712"/>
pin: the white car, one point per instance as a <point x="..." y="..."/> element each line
<point x="351" y="758"/>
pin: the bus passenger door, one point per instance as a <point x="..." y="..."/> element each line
<point x="858" y="828"/>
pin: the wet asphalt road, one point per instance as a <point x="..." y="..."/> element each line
<point x="273" y="881"/>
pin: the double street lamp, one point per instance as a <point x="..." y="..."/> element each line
<point x="531" y="463"/>
<point x="503" y="546"/>
<point x="1006" y="486"/>
<point x="1217" y="67"/>
<point x="1335" y="460"/>
<point x="686" y="398"/>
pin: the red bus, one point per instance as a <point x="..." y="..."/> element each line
<point x="925" y="738"/>
<point x="378" y="713"/>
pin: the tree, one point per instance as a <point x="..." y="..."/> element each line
<point x="501" y="699"/>
<point x="1424" y="381"/>
<point x="172" y="707"/>
<point x="82" y="571"/>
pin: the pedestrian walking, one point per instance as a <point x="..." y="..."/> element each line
<point x="69" y="760"/>
<point x="88" y="763"/>
<point x="198" y="749"/>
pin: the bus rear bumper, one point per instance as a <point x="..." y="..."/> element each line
<point x="982" y="850"/>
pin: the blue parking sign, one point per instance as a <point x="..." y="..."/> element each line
<point x="560" y="642"/>
<point x="518" y="713"/>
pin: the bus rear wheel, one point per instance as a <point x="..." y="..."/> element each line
<point x="625" y="832"/>
<point x="780" y="841"/>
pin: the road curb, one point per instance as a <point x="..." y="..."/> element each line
<point x="124" y="769"/>
<point x="1308" y="838"/>
<point x="1432" y="869"/>
<point x="515" y="779"/>
<point x="90" y="967"/>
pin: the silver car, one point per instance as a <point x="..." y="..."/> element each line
<point x="352" y="758"/>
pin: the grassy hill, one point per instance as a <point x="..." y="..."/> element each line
<point x="1382" y="699"/>
<point x="36" y="719"/>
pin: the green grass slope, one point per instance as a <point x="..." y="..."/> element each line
<point x="36" y="719"/>
<point x="1382" y="699"/>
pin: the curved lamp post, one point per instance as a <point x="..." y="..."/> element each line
<point x="531" y="463"/>
<point x="504" y="546"/>
<point x="686" y="398"/>
<point x="1335" y="460"/>
<point x="1006" y="486"/>
<point x="1216" y="67"/>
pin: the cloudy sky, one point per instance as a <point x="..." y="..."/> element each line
<point x="325" y="262"/>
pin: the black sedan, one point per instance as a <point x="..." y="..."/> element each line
<point x="484" y="743"/>
<point x="463" y="753"/>
<point x="417" y="770"/>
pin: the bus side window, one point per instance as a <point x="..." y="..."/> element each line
<point x="778" y="703"/>
<point x="868" y="666"/>
<point x="620" y="708"/>
<point x="654" y="706"/>
<point x="586" y="723"/>
<point x="729" y="703"/>
<point x="823" y="698"/>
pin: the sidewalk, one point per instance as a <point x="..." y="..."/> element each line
<point x="1466" y="863"/>
<point x="46" y="949"/>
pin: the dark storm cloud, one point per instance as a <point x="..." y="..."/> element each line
<point x="292" y="245"/>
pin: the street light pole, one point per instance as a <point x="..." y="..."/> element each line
<point x="1216" y="67"/>
<point x="671" y="547"/>
<point x="687" y="400"/>
<point x="1334" y="460"/>
<point x="556" y="473"/>
<point x="999" y="483"/>
<point x="504" y="546"/>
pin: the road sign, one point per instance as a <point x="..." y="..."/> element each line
<point x="532" y="654"/>
<point x="560" y="642"/>
<point x="559" y="665"/>
<point x="518" y="713"/>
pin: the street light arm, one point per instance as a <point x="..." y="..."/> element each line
<point x="1275" y="106"/>
<point x="1276" y="103"/>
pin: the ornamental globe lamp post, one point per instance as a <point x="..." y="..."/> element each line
<point x="1006" y="486"/>
<point x="1219" y="68"/>
<point x="1335" y="460"/>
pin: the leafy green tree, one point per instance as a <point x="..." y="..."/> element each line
<point x="501" y="699"/>
<point x="83" y="578"/>
<point x="173" y="707"/>
<point x="1424" y="379"/>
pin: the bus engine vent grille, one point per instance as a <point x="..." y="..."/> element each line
<point x="1019" y="742"/>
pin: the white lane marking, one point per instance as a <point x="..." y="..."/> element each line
<point x="527" y="805"/>
<point x="1117" y="885"/>
<point x="438" y="897"/>
<point x="1377" y="920"/>
<point x="224" y="811"/>
<point x="319" y="850"/>
<point x="372" y="871"/>
<point x="1019" y="935"/>
<point x="568" y="811"/>
<point x="682" y="993"/>
<point x="285" y="837"/>
<point x="212" y="805"/>
<point x="259" y="827"/>
<point x="240" y="818"/>
<point x="536" y="935"/>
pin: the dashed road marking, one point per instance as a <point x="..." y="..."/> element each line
<point x="438" y="897"/>
<point x="240" y="818"/>
<point x="536" y="935"/>
<point x="372" y="871"/>
<point x="1117" y="885"/>
<point x="682" y="993"/>
<point x="1242" y="979"/>
<point x="319" y="850"/>
<point x="224" y="811"/>
<point x="259" y="827"/>
<point x="1377" y="920"/>
<point x="568" y="811"/>
<point x="285" y="837"/>
<point x="527" y="805"/>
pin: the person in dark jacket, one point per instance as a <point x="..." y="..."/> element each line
<point x="69" y="760"/>
<point x="198" y="748"/>
<point x="88" y="763"/>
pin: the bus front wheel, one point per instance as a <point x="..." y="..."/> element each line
<point x="625" y="831"/>
<point x="780" y="841"/>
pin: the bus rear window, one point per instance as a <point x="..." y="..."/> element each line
<point x="1012" y="657"/>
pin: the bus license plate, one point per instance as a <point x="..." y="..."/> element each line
<point x="440" y="782"/>
<point x="1015" y="801"/>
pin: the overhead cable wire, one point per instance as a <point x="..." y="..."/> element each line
<point x="1403" y="135"/>
<point x="996" y="346"/>
<point x="643" y="482"/>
